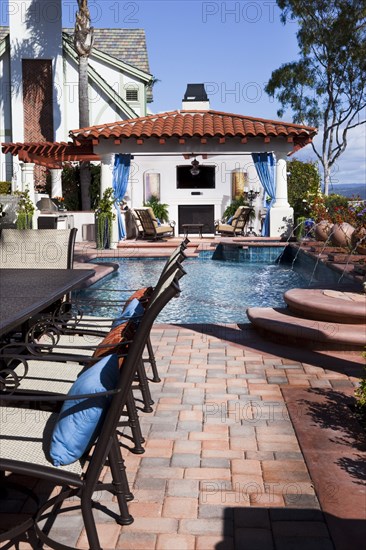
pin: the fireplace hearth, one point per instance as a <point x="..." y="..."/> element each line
<point x="197" y="214"/>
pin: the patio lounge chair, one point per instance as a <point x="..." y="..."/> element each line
<point x="238" y="223"/>
<point x="25" y="444"/>
<point x="149" y="226"/>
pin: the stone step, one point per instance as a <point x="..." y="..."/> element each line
<point x="327" y="305"/>
<point x="291" y="328"/>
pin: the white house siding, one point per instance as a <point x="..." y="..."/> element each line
<point x="101" y="109"/>
<point x="120" y="81"/>
<point x="35" y="34"/>
<point x="5" y="116"/>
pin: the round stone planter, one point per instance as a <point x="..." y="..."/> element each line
<point x="358" y="240"/>
<point x="323" y="230"/>
<point x="341" y="234"/>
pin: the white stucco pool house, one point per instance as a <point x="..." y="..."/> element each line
<point x="37" y="114"/>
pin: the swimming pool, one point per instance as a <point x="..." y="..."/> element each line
<point x="212" y="291"/>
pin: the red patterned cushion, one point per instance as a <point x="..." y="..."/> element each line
<point x="142" y="294"/>
<point x="116" y="340"/>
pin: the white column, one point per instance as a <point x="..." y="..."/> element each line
<point x="106" y="180"/>
<point x="281" y="217"/>
<point x="27" y="178"/>
<point x="56" y="182"/>
<point x="27" y="182"/>
<point x="106" y="172"/>
<point x="281" y="182"/>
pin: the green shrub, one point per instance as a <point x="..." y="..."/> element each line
<point x="360" y="392"/>
<point x="336" y="205"/>
<point x="71" y="187"/>
<point x="160" y="209"/>
<point x="5" y="187"/>
<point x="234" y="205"/>
<point x="25" y="210"/>
<point x="303" y="185"/>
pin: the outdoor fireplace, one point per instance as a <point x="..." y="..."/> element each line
<point x="197" y="214"/>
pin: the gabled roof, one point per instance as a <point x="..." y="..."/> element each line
<point x="128" y="45"/>
<point x="197" y="123"/>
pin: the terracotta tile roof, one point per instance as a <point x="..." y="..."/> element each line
<point x="128" y="45"/>
<point x="201" y="124"/>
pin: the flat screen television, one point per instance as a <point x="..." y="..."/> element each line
<point x="205" y="179"/>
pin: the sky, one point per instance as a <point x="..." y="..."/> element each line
<point x="232" y="47"/>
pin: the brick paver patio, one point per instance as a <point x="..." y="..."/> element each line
<point x="224" y="467"/>
<point x="238" y="453"/>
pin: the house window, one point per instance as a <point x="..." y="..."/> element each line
<point x="132" y="94"/>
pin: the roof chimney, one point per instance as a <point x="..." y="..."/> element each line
<point x="195" y="98"/>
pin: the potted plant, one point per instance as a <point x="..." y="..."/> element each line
<point x="25" y="210"/>
<point x="358" y="238"/>
<point x="323" y="223"/>
<point x="104" y="217"/>
<point x="59" y="202"/>
<point x="234" y="205"/>
<point x="344" y="219"/>
<point x="160" y="210"/>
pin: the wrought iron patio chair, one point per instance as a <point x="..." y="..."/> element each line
<point x="53" y="365"/>
<point x="150" y="228"/>
<point x="37" y="248"/>
<point x="24" y="444"/>
<point x="238" y="224"/>
<point x="97" y="327"/>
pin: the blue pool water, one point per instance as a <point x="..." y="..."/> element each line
<point x="212" y="291"/>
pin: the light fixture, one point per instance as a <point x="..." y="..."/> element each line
<point x="195" y="170"/>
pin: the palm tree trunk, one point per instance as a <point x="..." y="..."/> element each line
<point x="85" y="174"/>
<point x="83" y="42"/>
<point x="83" y="92"/>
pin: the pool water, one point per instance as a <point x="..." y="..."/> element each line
<point x="212" y="291"/>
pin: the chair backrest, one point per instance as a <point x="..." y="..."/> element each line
<point x="167" y="291"/>
<point x="37" y="248"/>
<point x="237" y="213"/>
<point x="177" y="254"/>
<point x="146" y="221"/>
<point x="240" y="222"/>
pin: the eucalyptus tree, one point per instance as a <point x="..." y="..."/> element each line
<point x="326" y="86"/>
<point x="83" y="43"/>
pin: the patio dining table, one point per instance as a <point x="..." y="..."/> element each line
<point x="23" y="293"/>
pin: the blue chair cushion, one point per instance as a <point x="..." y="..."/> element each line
<point x="79" y="421"/>
<point x="230" y="220"/>
<point x="133" y="310"/>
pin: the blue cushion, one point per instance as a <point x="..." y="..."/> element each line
<point x="230" y="220"/>
<point x="133" y="310"/>
<point x="79" y="420"/>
